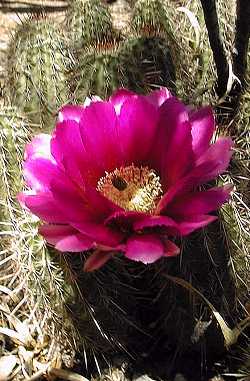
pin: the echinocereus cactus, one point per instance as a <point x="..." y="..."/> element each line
<point x="27" y="270"/>
<point x="150" y="18"/>
<point x="36" y="69"/>
<point x="88" y="22"/>
<point x="109" y="181"/>
<point x="150" y="52"/>
<point x="97" y="70"/>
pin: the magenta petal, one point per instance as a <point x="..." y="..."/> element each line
<point x="220" y="153"/>
<point x="39" y="147"/>
<point x="156" y="221"/>
<point x="53" y="233"/>
<point x="101" y="234"/>
<point x="97" y="260"/>
<point x="70" y="112"/>
<point x="39" y="172"/>
<point x="158" y="97"/>
<point x="124" y="219"/>
<point x="137" y="126"/>
<point x="212" y="163"/>
<point x="203" y="126"/>
<point x="119" y="97"/>
<point x="194" y="223"/>
<point x="68" y="150"/>
<point x="144" y="248"/>
<point x="44" y="206"/>
<point x="79" y="205"/>
<point x="65" y="238"/>
<point x="99" y="205"/>
<point x="99" y="134"/>
<point x="71" y="201"/>
<point x="173" y="155"/>
<point x="74" y="243"/>
<point x="199" y="202"/>
<point x="171" y="250"/>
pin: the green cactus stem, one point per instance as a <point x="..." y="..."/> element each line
<point x="36" y="70"/>
<point x="149" y="64"/>
<point x="150" y="18"/>
<point x="88" y="22"/>
<point x="97" y="71"/>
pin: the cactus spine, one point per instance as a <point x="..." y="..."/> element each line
<point x="88" y="22"/>
<point x="149" y="51"/>
<point x="36" y="311"/>
<point x="36" y="70"/>
<point x="97" y="69"/>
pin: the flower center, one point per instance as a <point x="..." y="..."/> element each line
<point x="132" y="188"/>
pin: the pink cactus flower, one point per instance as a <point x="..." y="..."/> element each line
<point x="125" y="176"/>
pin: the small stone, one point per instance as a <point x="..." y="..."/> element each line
<point x="7" y="364"/>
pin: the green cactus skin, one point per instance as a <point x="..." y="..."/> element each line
<point x="97" y="71"/>
<point x="88" y="22"/>
<point x="235" y="221"/>
<point x="106" y="296"/>
<point x="13" y="135"/>
<point x="150" y="52"/>
<point x="28" y="270"/>
<point x="36" y="70"/>
<point x="149" y="64"/>
<point x="150" y="18"/>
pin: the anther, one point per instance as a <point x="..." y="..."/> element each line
<point x="132" y="188"/>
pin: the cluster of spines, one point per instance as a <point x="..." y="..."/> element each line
<point x="97" y="70"/>
<point x="88" y="22"/>
<point x="150" y="19"/>
<point x="30" y="272"/>
<point x="103" y="62"/>
<point x="36" y="70"/>
<point x="106" y="60"/>
<point x="150" y="51"/>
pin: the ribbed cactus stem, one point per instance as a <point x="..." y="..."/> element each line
<point x="88" y="22"/>
<point x="36" y="69"/>
<point x="97" y="69"/>
<point x="150" y="18"/>
<point x="30" y="273"/>
<point x="148" y="63"/>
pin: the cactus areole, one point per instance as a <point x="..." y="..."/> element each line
<point x="124" y="176"/>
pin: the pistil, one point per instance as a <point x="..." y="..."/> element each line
<point x="132" y="188"/>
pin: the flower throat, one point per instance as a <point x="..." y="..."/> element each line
<point x="132" y="188"/>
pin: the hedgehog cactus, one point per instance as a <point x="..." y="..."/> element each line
<point x="97" y="70"/>
<point x="14" y="136"/>
<point x="27" y="268"/>
<point x="36" y="67"/>
<point x="123" y="305"/>
<point x="150" y="18"/>
<point x="88" y="22"/>
<point x="150" y="52"/>
<point x="106" y="62"/>
<point x="148" y="63"/>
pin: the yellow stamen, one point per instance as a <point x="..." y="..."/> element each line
<point x="132" y="188"/>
